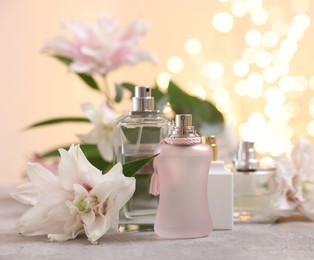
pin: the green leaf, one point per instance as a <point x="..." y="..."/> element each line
<point x="88" y="79"/>
<point x="130" y="87"/>
<point x="65" y="60"/>
<point x="58" y="121"/>
<point x="161" y="98"/>
<point x="161" y="103"/>
<point x="206" y="117"/>
<point x="157" y="94"/>
<point x="91" y="152"/>
<point x="53" y="152"/>
<point x="130" y="168"/>
<point x="119" y="92"/>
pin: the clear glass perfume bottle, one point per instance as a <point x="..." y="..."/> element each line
<point x="137" y="135"/>
<point x="255" y="187"/>
<point x="182" y="167"/>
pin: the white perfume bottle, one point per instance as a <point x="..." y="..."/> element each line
<point x="220" y="189"/>
<point x="255" y="187"/>
<point x="137" y="135"/>
<point x="182" y="167"/>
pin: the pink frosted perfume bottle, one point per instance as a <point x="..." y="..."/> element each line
<point x="182" y="167"/>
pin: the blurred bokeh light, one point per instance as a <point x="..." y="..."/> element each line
<point x="262" y="79"/>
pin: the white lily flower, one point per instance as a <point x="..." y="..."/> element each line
<point x="103" y="118"/>
<point x="80" y="199"/>
<point x="296" y="180"/>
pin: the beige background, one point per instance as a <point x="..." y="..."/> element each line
<point x="35" y="87"/>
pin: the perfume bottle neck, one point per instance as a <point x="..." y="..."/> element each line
<point x="151" y="113"/>
<point x="186" y="140"/>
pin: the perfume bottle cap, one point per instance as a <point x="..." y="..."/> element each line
<point x="183" y="120"/>
<point x="183" y="133"/>
<point x="143" y="100"/>
<point x="246" y="157"/>
<point x="183" y="124"/>
<point x="211" y="141"/>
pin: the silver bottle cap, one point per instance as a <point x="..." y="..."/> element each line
<point x="143" y="100"/>
<point x="246" y="157"/>
<point x="183" y="125"/>
<point x="183" y="133"/>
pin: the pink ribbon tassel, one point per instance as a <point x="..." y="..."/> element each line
<point x="154" y="185"/>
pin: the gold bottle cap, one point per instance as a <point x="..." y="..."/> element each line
<point x="211" y="141"/>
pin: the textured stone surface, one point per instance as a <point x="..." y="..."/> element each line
<point x="289" y="240"/>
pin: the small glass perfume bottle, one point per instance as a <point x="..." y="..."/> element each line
<point x="255" y="187"/>
<point x="182" y="167"/>
<point x="220" y="189"/>
<point x="137" y="135"/>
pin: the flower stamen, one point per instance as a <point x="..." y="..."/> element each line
<point x="82" y="206"/>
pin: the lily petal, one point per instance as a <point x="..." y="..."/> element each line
<point x="88" y="218"/>
<point x="77" y="28"/>
<point x="88" y="173"/>
<point x="135" y="31"/>
<point x="73" y="226"/>
<point x="35" y="221"/>
<point x="115" y="171"/>
<point x="42" y="179"/>
<point x="72" y="229"/>
<point x="102" y="190"/>
<point x="123" y="191"/>
<point x="302" y="157"/>
<point x="98" y="228"/>
<point x="127" y="188"/>
<point x="89" y="110"/>
<point x="25" y="193"/>
<point x="91" y="137"/>
<point x="59" y="213"/>
<point x="106" y="150"/>
<point x="60" y="237"/>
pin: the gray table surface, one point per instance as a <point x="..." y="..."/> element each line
<point x="290" y="240"/>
